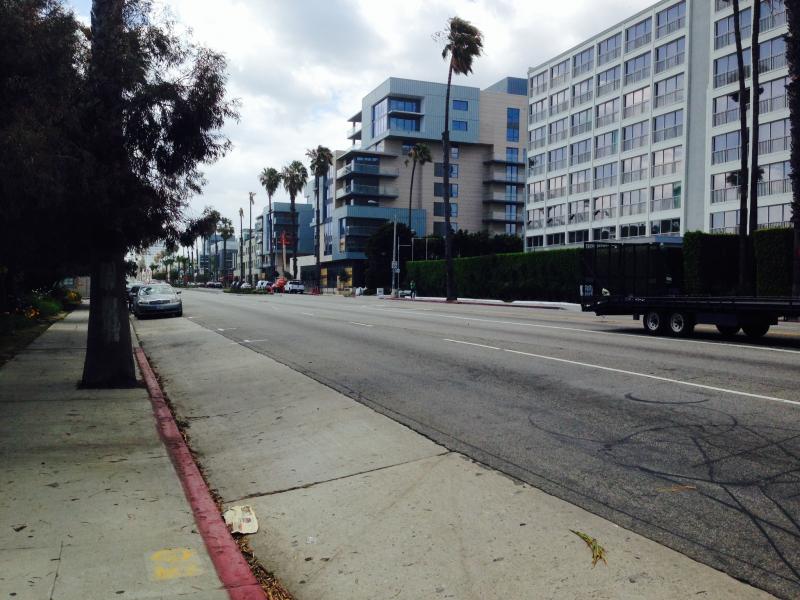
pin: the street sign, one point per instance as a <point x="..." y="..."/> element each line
<point x="395" y="266"/>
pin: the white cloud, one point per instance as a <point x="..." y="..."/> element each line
<point x="300" y="68"/>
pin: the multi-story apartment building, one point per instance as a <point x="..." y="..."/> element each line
<point x="273" y="232"/>
<point x="633" y="133"/>
<point x="370" y="182"/>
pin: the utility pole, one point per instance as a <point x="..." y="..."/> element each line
<point x="250" y="242"/>
<point x="394" y="261"/>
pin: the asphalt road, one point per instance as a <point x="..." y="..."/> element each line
<point x="692" y="443"/>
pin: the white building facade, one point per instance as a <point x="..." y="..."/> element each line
<point x="632" y="134"/>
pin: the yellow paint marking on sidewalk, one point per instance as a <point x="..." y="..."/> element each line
<point x="173" y="563"/>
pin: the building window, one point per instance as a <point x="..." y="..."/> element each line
<point x="460" y="105"/>
<point x="668" y="126"/>
<point x="438" y="170"/>
<point x="580" y="152"/>
<point x="777" y="215"/>
<point x="637" y="69"/>
<point x="608" y="80"/>
<point x="774" y="137"/>
<point x="638" y="35"/>
<point x="538" y="83"/>
<point x="582" y="62"/>
<point x="636" y="102"/>
<point x="725" y="147"/>
<point x="670" y="19"/>
<point x="535" y="241"/>
<point x="511" y="229"/>
<point x="512" y="154"/>
<point x="577" y="237"/>
<point x="555" y="239"/>
<point x="556" y="215"/>
<point x="438" y="209"/>
<point x="604" y="233"/>
<point x="669" y="91"/>
<point x="725" y="187"/>
<point x="438" y="190"/>
<point x="607" y="113"/>
<point x="459" y="126"/>
<point x="773" y="54"/>
<point x="667" y="161"/>
<point x="512" y="124"/>
<point x="724" y="34"/>
<point x="633" y="202"/>
<point x="407" y="146"/>
<point x="609" y="49"/>
<point x="605" y="207"/>
<point x="725" y="221"/>
<point x="670" y="55"/>
<point x="559" y="73"/>
<point x="666" y="196"/>
<point x="454" y="152"/>
<point x="666" y="227"/>
<point x="403" y="124"/>
<point x="404" y="105"/>
<point x="726" y="71"/>
<point x="632" y="230"/>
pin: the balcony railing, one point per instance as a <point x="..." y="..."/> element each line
<point x="631" y="176"/>
<point x="359" y="231"/>
<point x="774" y="145"/>
<point x="354" y="131"/>
<point x="557" y="165"/>
<point x="366" y="190"/>
<point x="607" y="119"/>
<point x="724" y="195"/>
<point x="538" y="89"/>
<point x="584" y="68"/>
<point x="607" y="57"/>
<point x="636" y="142"/>
<point x="637" y="76"/>
<point x="666" y="203"/>
<point x="559" y="108"/>
<point x="557" y="192"/>
<point x="726" y="39"/>
<point x="607" y="88"/>
<point x="557" y="136"/>
<point x="729" y="77"/>
<point x="626" y="210"/>
<point x="605" y="213"/>
<point x="635" y="109"/>
<point x="537" y="116"/>
<point x="538" y="143"/>
<point x="727" y="155"/>
<point x="765" y="65"/>
<point x="772" y="104"/>
<point x="775" y="225"/>
<point x="670" y="27"/>
<point x="366" y="169"/>
<point x="727" y="116"/>
<point x="536" y="170"/>
<point x="670" y="98"/>
<point x="581" y="128"/>
<point x="638" y="42"/>
<point x="558" y="80"/>
<point x="536" y="223"/>
<point x="771" y="21"/>
<point x="577" y="159"/>
<point x="669" y="168"/>
<point x="725" y="230"/>
<point x="670" y="62"/>
<point x="582" y="98"/>
<point x="537" y="196"/>
<point x="580" y="217"/>
<point x="579" y="188"/>
<point x="770" y="188"/>
<point x="669" y="133"/>
<point x="605" y="151"/>
<point x="604" y="182"/>
<point x="556" y="221"/>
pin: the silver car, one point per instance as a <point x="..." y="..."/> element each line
<point x="157" y="299"/>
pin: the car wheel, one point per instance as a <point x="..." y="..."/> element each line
<point x="654" y="323"/>
<point x="681" y="324"/>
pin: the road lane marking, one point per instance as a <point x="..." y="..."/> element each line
<point x="362" y="324"/>
<point x="596" y="331"/>
<point x="307" y="314"/>
<point x="633" y="373"/>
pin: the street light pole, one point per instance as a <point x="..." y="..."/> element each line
<point x="394" y="260"/>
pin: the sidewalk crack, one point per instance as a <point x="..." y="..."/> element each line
<point x="314" y="483"/>
<point x="58" y="567"/>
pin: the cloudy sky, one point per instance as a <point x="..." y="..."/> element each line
<point x="301" y="67"/>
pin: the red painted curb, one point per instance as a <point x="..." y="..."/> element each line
<point x="231" y="567"/>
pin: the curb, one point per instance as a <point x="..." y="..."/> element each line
<point x="232" y="569"/>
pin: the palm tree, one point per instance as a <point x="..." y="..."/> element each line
<point x="793" y="88"/>
<point x="271" y="179"/>
<point x="321" y="160"/>
<point x="250" y="242"/>
<point x="744" y="137"/>
<point x="241" y="244"/>
<point x="464" y="44"/>
<point x="226" y="232"/>
<point x="294" y="179"/>
<point x="418" y="155"/>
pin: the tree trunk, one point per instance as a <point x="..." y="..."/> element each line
<point x="224" y="266"/>
<point x="294" y="238"/>
<point x="793" y="56"/>
<point x="250" y="248"/>
<point x="271" y="234"/>
<point x="450" y="276"/>
<point x="744" y="269"/>
<point x="241" y="250"/>
<point x="755" y="96"/>
<point x="109" y="354"/>
<point x="411" y="191"/>
<point x="317" y="243"/>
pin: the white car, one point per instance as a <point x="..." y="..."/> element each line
<point x="263" y="284"/>
<point x="245" y="286"/>
<point x="295" y="286"/>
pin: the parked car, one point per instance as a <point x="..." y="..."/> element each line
<point x="295" y="286"/>
<point x="133" y="290"/>
<point x="157" y="299"/>
<point x="235" y="284"/>
<point x="245" y="286"/>
<point x="263" y="285"/>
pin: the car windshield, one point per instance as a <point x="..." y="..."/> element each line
<point x="156" y="289"/>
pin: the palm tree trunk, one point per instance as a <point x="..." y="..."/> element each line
<point x="224" y="261"/>
<point x="241" y="250"/>
<point x="271" y="241"/>
<point x="450" y="276"/>
<point x="411" y="191"/>
<point x="793" y="88"/>
<point x="294" y="238"/>
<point x="317" y="244"/>
<point x="744" y="269"/>
<point x="250" y="248"/>
<point x="755" y="56"/>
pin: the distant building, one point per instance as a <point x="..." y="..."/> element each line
<point x="274" y="233"/>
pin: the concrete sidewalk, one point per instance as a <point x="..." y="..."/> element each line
<point x="90" y="505"/>
<point x="353" y="505"/>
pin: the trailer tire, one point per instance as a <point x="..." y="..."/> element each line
<point x="728" y="330"/>
<point x="655" y="323"/>
<point x="681" y="324"/>
<point x="756" y="330"/>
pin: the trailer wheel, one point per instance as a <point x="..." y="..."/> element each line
<point x="681" y="324"/>
<point x="756" y="330"/>
<point x="728" y="330"/>
<point x="654" y="323"/>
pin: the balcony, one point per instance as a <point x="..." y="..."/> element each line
<point x="581" y="128"/>
<point x="580" y="217"/>
<point x="662" y="135"/>
<point x="637" y="76"/>
<point x="556" y="221"/>
<point x="774" y="145"/>
<point x="666" y="204"/>
<point x="577" y="159"/>
<point x="557" y="136"/>
<point x="538" y="89"/>
<point x="633" y="143"/>
<point x="727" y="116"/>
<point x="729" y="77"/>
<point x="360" y="189"/>
<point x="765" y="65"/>
<point x="670" y="63"/>
<point x="354" y="133"/>
<point x="671" y="27"/>
<point x="359" y="231"/>
<point x="775" y="225"/>
<point x="365" y="169"/>
<point x="579" y="188"/>
<point x="627" y="210"/>
<point x="779" y="186"/>
<point x="669" y="98"/>
<point x="537" y="116"/>
<point x="631" y="176"/>
<point x="607" y="119"/>
<point x="607" y="88"/>
<point x="727" y="155"/>
<point x="584" y="68"/>
<point x="772" y="104"/>
<point x="581" y="98"/>
<point x="503" y="217"/>
<point x="538" y="143"/>
<point x="604" y="182"/>
<point x="607" y="57"/>
<point x="556" y="193"/>
<point x="635" y="43"/>
<point x="771" y="21"/>
<point x="725" y="195"/>
<point x="503" y="177"/>
<point x="726" y="39"/>
<point x="603" y="151"/>
<point x="506" y="200"/>
<point x="635" y="109"/>
<point x="502" y="159"/>
<point x="557" y="165"/>
<point x="558" y="80"/>
<point x="669" y="168"/>
<point x="604" y="213"/>
<point x="536" y="170"/>
<point x="537" y="196"/>
<point x="559" y="108"/>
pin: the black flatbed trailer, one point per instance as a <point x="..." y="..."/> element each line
<point x="645" y="281"/>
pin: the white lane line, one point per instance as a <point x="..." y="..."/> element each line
<point x="247" y="342"/>
<point x="307" y="314"/>
<point x="472" y="344"/>
<point x="595" y="331"/>
<point x="227" y="328"/>
<point x="634" y="374"/>
<point x="362" y="324"/>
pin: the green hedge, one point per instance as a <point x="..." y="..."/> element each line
<point x="710" y="263"/>
<point x="553" y="275"/>
<point x="773" y="251"/>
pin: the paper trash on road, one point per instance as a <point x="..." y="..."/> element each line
<point x="241" y="519"/>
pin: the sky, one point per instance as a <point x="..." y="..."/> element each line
<point x="301" y="67"/>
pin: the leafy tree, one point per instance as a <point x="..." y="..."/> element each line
<point x="379" y="254"/>
<point x="294" y="179"/>
<point x="271" y="179"/>
<point x="321" y="160"/>
<point x="154" y="106"/>
<point x="418" y="155"/>
<point x="464" y="42"/>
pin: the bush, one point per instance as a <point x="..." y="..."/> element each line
<point x="710" y="263"/>
<point x="46" y="307"/>
<point x="773" y="251"/>
<point x="553" y="275"/>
